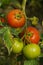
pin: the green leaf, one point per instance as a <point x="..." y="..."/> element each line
<point x="8" y="40"/>
<point x="41" y="36"/>
<point x="31" y="62"/>
<point x="5" y="1"/>
<point x="2" y="30"/>
<point x="41" y="55"/>
<point x="0" y="4"/>
<point x="16" y="31"/>
<point x="41" y="44"/>
<point x="16" y="3"/>
<point x="1" y="23"/>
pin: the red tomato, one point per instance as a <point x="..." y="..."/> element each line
<point x="32" y="35"/>
<point x="2" y="19"/>
<point x="16" y="18"/>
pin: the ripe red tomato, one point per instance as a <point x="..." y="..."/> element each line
<point x="31" y="51"/>
<point x="32" y="35"/>
<point x="16" y="18"/>
<point x="2" y="19"/>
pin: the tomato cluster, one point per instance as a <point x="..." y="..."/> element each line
<point x="16" y="19"/>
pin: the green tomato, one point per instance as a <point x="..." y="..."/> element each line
<point x="18" y="45"/>
<point x="31" y="51"/>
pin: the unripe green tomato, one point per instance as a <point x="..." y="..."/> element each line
<point x="31" y="51"/>
<point x="17" y="46"/>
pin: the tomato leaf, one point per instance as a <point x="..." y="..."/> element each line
<point x="1" y="23"/>
<point x="31" y="62"/>
<point x="41" y="36"/>
<point x="0" y="4"/>
<point x="5" y="1"/>
<point x="41" y="55"/>
<point x="2" y="30"/>
<point x="16" y="31"/>
<point x="16" y="3"/>
<point x="8" y="40"/>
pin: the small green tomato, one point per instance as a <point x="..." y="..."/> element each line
<point x="18" y="45"/>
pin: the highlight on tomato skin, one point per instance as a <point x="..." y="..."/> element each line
<point x="16" y="18"/>
<point x="32" y="35"/>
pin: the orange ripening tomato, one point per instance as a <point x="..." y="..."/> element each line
<point x="32" y="35"/>
<point x="16" y="18"/>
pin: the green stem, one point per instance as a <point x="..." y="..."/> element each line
<point x="24" y="6"/>
<point x="23" y="9"/>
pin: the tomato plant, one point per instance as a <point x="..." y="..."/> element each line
<point x="16" y="18"/>
<point x="21" y="32"/>
<point x="31" y="51"/>
<point x="32" y="35"/>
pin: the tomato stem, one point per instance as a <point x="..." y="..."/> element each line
<point x="23" y="6"/>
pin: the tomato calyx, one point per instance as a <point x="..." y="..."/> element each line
<point x="30" y="34"/>
<point x="18" y="16"/>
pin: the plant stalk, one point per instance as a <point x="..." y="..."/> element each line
<point x="24" y="6"/>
